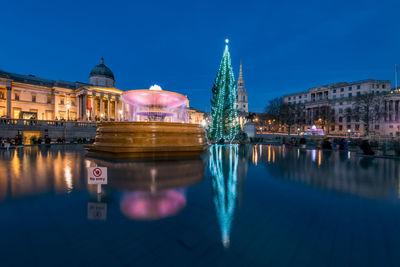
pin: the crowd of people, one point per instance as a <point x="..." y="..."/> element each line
<point x="19" y="140"/>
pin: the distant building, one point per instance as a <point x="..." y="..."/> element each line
<point x="242" y="105"/>
<point x="342" y="96"/>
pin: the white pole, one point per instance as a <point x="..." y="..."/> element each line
<point x="98" y="188"/>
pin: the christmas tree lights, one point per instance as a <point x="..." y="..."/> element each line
<point x="223" y="167"/>
<point x="224" y="118"/>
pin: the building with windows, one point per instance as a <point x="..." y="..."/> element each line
<point x="30" y="97"/>
<point x="340" y="98"/>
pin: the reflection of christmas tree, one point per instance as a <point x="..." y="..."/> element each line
<point x="223" y="167"/>
<point x="224" y="118"/>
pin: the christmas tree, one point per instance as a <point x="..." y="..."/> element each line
<point x="224" y="121"/>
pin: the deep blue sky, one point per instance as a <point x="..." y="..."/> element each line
<point x="285" y="46"/>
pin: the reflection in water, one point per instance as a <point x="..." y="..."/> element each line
<point x="152" y="189"/>
<point x="148" y="205"/>
<point x="223" y="164"/>
<point x="35" y="170"/>
<point x="334" y="170"/>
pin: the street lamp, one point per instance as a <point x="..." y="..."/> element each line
<point x="68" y="107"/>
<point x="120" y="115"/>
<point x="101" y="116"/>
<point x="349" y="131"/>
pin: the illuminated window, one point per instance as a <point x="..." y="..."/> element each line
<point x="33" y="98"/>
<point x="16" y="112"/>
<point x="49" y="99"/>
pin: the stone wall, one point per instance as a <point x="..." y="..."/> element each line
<point x="54" y="129"/>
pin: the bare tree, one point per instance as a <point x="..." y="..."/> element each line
<point x="291" y="114"/>
<point x="368" y="108"/>
<point x="274" y="107"/>
<point x="326" y="117"/>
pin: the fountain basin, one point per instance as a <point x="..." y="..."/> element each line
<point x="134" y="139"/>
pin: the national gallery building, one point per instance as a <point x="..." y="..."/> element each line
<point x="30" y="97"/>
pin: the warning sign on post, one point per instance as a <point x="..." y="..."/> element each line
<point x="97" y="175"/>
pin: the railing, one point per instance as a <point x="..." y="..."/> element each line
<point x="44" y="123"/>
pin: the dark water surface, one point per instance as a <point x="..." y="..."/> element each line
<point x="238" y="206"/>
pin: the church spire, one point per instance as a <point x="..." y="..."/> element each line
<point x="240" y="82"/>
<point x="241" y="72"/>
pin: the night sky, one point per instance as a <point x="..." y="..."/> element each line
<point x="285" y="46"/>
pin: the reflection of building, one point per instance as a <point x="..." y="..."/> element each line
<point x="342" y="96"/>
<point x="223" y="166"/>
<point x="331" y="170"/>
<point x="30" y="97"/>
<point x="37" y="177"/>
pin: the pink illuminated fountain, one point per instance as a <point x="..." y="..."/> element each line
<point x="155" y="105"/>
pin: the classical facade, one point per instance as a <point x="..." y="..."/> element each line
<point x="30" y="97"/>
<point x="241" y="104"/>
<point x="342" y="96"/>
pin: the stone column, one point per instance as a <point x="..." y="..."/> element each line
<point x="84" y="107"/>
<point x="101" y="106"/>
<point x="123" y="110"/>
<point x="79" y="107"/>
<point x="397" y="112"/>
<point x="116" y="109"/>
<point x="386" y="111"/>
<point x="109" y="108"/>
<point x="9" y="89"/>
<point x="93" y="106"/>
<point x="393" y="111"/>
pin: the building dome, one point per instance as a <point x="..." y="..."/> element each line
<point x="101" y="75"/>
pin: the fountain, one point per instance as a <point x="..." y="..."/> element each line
<point x="155" y="124"/>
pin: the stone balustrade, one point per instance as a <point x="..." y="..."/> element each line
<point x="44" y="123"/>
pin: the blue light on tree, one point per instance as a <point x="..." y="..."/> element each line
<point x="223" y="166"/>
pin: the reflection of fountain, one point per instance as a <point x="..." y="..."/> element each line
<point x="144" y="205"/>
<point x="153" y="189"/>
<point x="155" y="125"/>
<point x="223" y="167"/>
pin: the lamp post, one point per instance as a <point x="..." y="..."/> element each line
<point x="349" y="131"/>
<point x="101" y="116"/>
<point x="120" y="115"/>
<point x="68" y="107"/>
